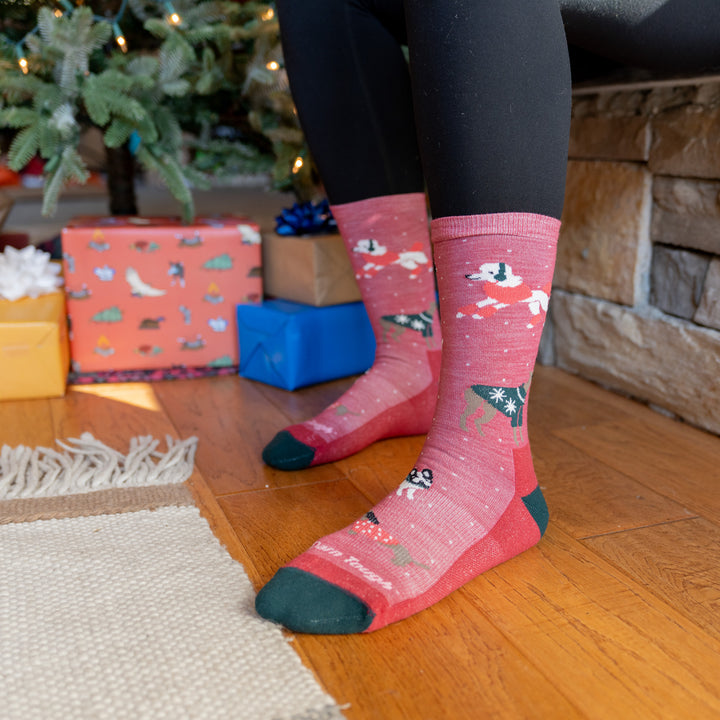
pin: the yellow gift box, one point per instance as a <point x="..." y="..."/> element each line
<point x="34" y="351"/>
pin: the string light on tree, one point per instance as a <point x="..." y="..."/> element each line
<point x="23" y="63"/>
<point x="20" y="52"/>
<point x="120" y="38"/>
<point x="172" y="17"/>
<point x="171" y="14"/>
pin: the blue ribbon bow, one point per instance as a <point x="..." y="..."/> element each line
<point x="306" y="219"/>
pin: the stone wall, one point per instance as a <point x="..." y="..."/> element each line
<point x="636" y="300"/>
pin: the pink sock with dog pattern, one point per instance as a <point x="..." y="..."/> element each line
<point x="389" y="246"/>
<point x="472" y="501"/>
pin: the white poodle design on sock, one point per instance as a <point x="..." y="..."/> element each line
<point x="503" y="289"/>
<point x="377" y="257"/>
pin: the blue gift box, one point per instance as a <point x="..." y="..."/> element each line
<point x="290" y="345"/>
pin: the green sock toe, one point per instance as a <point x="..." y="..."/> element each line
<point x="286" y="452"/>
<point x="305" y="603"/>
<point x="537" y="507"/>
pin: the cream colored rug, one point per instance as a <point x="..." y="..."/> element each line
<point x="138" y="614"/>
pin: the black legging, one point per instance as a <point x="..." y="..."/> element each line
<point x="486" y="102"/>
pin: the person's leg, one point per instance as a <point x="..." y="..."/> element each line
<point x="666" y="35"/>
<point x="351" y="86"/>
<point x="492" y="94"/>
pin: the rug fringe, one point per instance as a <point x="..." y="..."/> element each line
<point x="88" y="464"/>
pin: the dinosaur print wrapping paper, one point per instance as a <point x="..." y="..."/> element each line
<point x="152" y="293"/>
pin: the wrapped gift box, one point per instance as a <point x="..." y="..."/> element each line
<point x="152" y="293"/>
<point x="290" y="345"/>
<point x="34" y="354"/>
<point x="311" y="269"/>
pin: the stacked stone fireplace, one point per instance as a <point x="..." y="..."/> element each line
<point x="636" y="299"/>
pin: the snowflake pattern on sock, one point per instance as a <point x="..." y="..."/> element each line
<point x="483" y="402"/>
<point x="422" y="322"/>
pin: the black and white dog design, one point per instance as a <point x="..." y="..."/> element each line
<point x="416" y="480"/>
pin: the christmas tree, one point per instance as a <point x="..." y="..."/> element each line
<point x="186" y="90"/>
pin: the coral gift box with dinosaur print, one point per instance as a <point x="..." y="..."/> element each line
<point x="153" y="293"/>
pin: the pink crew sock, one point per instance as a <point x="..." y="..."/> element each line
<point x="472" y="501"/>
<point x="389" y="246"/>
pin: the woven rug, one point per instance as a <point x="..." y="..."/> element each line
<point x="112" y="611"/>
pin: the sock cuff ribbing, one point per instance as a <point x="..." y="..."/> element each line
<point x="382" y="203"/>
<point x="530" y="225"/>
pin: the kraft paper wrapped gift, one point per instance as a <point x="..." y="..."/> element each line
<point x="34" y="353"/>
<point x="311" y="269"/>
<point x="145" y="293"/>
<point x="290" y="345"/>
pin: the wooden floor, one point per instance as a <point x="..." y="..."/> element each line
<point x="616" y="614"/>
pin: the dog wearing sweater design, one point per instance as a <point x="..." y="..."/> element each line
<point x="504" y="289"/>
<point x="377" y="257"/>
